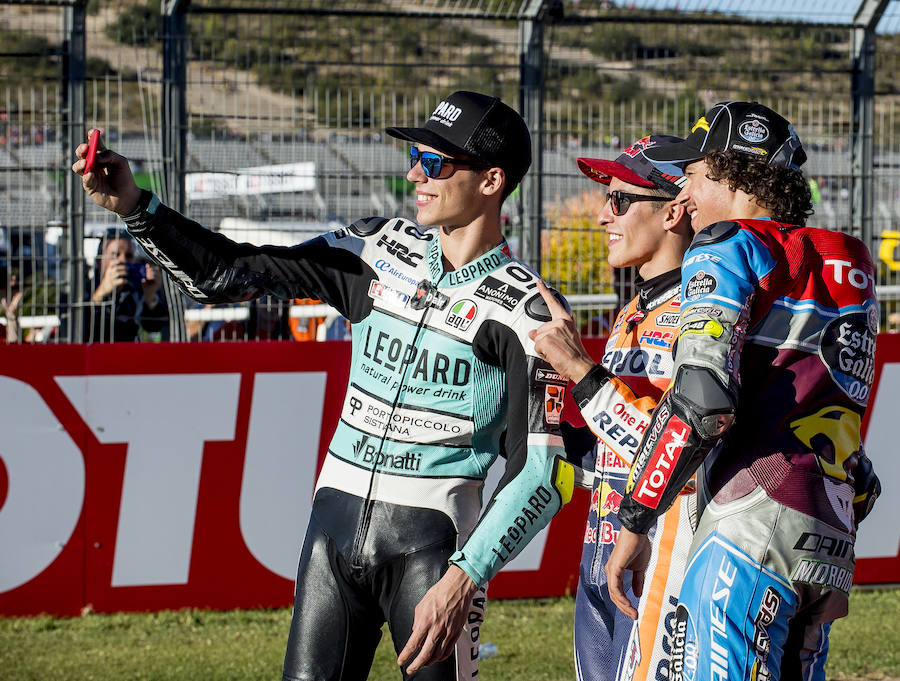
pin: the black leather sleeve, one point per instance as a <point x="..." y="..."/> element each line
<point x="211" y="268"/>
<point x="590" y="385"/>
<point x="687" y="423"/>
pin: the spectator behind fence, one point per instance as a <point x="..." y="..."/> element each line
<point x="127" y="297"/>
<point x="262" y="319"/>
<point x="326" y="327"/>
<point x="10" y="301"/>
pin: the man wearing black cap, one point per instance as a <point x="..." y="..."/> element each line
<point x="772" y="373"/>
<point x="649" y="229"/>
<point x="442" y="367"/>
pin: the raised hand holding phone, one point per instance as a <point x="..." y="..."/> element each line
<point x="93" y="143"/>
<point x="114" y="188"/>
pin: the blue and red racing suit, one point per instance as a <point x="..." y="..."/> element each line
<point x="441" y="366"/>
<point x="774" y="365"/>
<point x="609" y="646"/>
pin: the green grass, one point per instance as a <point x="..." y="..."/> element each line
<point x="866" y="643"/>
<point x="533" y="638"/>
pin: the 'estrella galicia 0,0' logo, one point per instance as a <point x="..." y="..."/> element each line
<point x="700" y="284"/>
<point x="753" y="131"/>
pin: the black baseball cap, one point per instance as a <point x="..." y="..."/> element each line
<point x="479" y="126"/>
<point x="748" y="127"/>
<point x="633" y="167"/>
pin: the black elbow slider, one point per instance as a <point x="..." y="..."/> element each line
<point x="691" y="418"/>
<point x="713" y="426"/>
<point x="708" y="404"/>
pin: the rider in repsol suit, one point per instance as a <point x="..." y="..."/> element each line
<point x="441" y="366"/>
<point x="773" y="368"/>
<point x="648" y="229"/>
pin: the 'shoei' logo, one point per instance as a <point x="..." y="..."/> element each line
<point x="669" y="319"/>
<point x="753" y="131"/>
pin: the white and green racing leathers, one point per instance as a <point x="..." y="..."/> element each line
<point x="443" y="378"/>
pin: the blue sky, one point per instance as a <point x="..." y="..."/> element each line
<point x="825" y="11"/>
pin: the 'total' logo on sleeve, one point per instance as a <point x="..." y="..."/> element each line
<point x="655" y="477"/>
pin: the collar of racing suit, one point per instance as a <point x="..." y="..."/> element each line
<point x="496" y="257"/>
<point x="651" y="293"/>
<point x="655" y="291"/>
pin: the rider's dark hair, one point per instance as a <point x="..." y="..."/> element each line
<point x="783" y="191"/>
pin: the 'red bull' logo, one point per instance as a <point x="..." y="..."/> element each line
<point x="605" y="499"/>
<point x="611" y="503"/>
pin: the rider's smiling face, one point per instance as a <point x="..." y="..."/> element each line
<point x="635" y="236"/>
<point x="707" y="201"/>
<point x="452" y="200"/>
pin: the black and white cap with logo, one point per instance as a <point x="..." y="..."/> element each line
<point x="479" y="126"/>
<point x="747" y="127"/>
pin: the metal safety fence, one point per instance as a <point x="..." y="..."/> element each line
<point x="264" y="120"/>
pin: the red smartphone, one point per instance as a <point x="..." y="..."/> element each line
<point x="92" y="151"/>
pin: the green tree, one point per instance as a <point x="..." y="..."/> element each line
<point x="574" y="248"/>
<point x="137" y="25"/>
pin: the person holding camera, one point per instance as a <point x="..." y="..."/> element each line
<point x="128" y="297"/>
<point x="10" y="304"/>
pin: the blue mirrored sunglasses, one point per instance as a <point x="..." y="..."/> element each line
<point x="433" y="163"/>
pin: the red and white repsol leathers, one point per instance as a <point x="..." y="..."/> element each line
<point x="608" y="645"/>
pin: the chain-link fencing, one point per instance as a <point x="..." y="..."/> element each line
<point x="264" y="121"/>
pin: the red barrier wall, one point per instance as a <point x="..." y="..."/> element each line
<point x="146" y="477"/>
